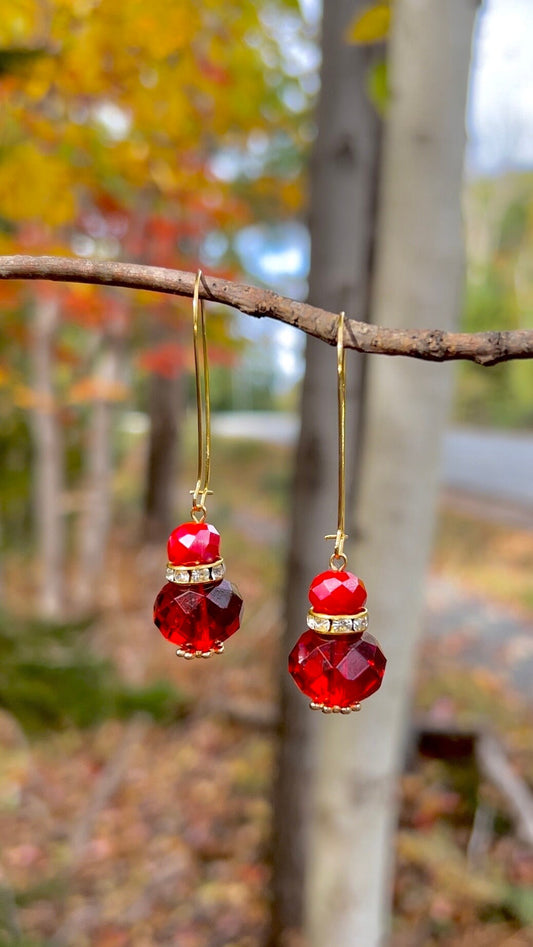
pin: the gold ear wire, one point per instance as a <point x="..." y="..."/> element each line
<point x="339" y="559"/>
<point x="203" y="408"/>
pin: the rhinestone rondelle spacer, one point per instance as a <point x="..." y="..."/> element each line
<point x="197" y="575"/>
<point x="337" y="624"/>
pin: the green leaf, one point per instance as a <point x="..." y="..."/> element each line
<point x="49" y="679"/>
<point x="519" y="901"/>
<point x="377" y="85"/>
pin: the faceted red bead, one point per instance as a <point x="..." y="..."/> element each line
<point x="196" y="617"/>
<point x="337" y="593"/>
<point x="339" y="670"/>
<point x="193" y="543"/>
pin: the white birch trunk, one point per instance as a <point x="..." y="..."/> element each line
<point x="343" y="189"/>
<point x="48" y="468"/>
<point x="418" y="283"/>
<point x="96" y="515"/>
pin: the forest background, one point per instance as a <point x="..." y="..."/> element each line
<point x="182" y="137"/>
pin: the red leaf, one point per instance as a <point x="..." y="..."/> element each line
<point x="166" y="359"/>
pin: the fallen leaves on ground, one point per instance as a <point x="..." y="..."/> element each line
<point x="132" y="833"/>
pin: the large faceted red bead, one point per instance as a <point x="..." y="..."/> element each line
<point x="193" y="543"/>
<point x="337" y="593"/>
<point x="339" y="670"/>
<point x="196" y="617"/>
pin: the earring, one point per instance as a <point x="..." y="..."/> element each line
<point x="198" y="609"/>
<point x="336" y="663"/>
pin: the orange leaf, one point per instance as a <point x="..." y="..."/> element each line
<point x="97" y="389"/>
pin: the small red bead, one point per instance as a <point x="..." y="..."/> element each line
<point x="196" y="617"/>
<point x="337" y="671"/>
<point x="337" y="593"/>
<point x="193" y="543"/>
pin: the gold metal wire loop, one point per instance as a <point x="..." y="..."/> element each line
<point x="203" y="408"/>
<point x="338" y="559"/>
<point x="199" y="513"/>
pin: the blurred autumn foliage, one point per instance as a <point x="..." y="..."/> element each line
<point x="114" y="114"/>
<point x="499" y="294"/>
<point x="141" y="133"/>
<point x="134" y="812"/>
<point x="116" y="119"/>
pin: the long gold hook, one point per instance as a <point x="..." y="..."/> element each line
<point x="203" y="408"/>
<point x="338" y="559"/>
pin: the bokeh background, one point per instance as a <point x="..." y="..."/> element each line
<point x="135" y="790"/>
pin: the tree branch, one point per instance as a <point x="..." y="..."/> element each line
<point x="485" y="348"/>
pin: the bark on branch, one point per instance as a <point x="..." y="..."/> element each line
<point x="485" y="348"/>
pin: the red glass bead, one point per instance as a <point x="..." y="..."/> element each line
<point x="337" y="593"/>
<point x="193" y="543"/>
<point x="197" y="617"/>
<point x="337" y="671"/>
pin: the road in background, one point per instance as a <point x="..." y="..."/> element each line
<point x="493" y="464"/>
<point x="487" y="475"/>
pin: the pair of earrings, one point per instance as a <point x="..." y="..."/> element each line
<point x="336" y="663"/>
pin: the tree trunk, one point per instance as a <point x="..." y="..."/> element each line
<point x="342" y="222"/>
<point x="166" y="405"/>
<point x="96" y="517"/>
<point x="48" y="468"/>
<point x="417" y="283"/>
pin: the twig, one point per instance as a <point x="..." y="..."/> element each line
<point x="86" y="918"/>
<point x="451" y="742"/>
<point x="434" y="345"/>
<point x="481" y="835"/>
<point x="106" y="786"/>
<point x="88" y="914"/>
<point x="494" y="766"/>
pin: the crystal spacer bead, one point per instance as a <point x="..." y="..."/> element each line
<point x="341" y="626"/>
<point x="317" y="623"/>
<point x="181" y="576"/>
<point x="218" y="571"/>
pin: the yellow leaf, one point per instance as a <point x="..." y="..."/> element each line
<point x="20" y="22"/>
<point x="34" y="186"/>
<point x="370" y="26"/>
